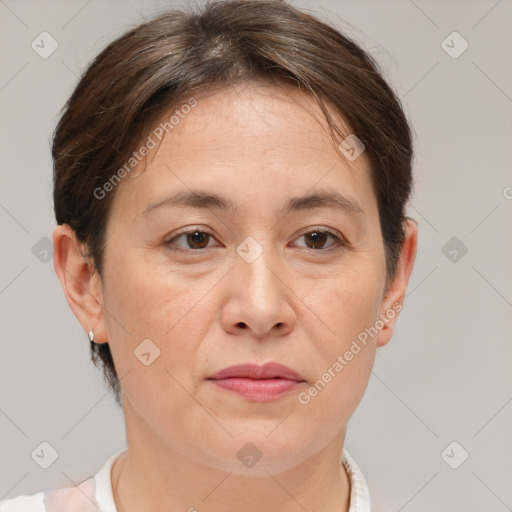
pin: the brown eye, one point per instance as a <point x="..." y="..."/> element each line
<point x="195" y="240"/>
<point x="317" y="239"/>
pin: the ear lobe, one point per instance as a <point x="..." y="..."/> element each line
<point x="79" y="280"/>
<point x="395" y="295"/>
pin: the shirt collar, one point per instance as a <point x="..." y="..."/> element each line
<point x="359" y="493"/>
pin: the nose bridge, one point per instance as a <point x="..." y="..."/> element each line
<point x="256" y="261"/>
<point x="260" y="301"/>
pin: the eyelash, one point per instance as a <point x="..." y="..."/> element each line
<point x="340" y="242"/>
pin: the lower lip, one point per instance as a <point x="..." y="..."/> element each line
<point x="259" y="390"/>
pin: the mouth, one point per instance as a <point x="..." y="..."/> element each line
<point x="258" y="383"/>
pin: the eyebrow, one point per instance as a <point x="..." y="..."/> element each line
<point x="203" y="199"/>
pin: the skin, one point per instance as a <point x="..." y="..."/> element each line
<point x="295" y="304"/>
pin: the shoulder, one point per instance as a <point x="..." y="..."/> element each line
<point x="91" y="495"/>
<point x="24" y="503"/>
<point x="81" y="498"/>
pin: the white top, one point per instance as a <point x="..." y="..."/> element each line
<point x="96" y="493"/>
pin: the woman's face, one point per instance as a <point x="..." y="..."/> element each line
<point x="270" y="276"/>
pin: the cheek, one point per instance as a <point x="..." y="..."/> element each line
<point x="346" y="303"/>
<point x="152" y="341"/>
<point x="150" y="300"/>
<point x="343" y="372"/>
<point x="346" y="307"/>
<point x="157" y="312"/>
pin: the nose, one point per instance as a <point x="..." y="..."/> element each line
<point x="258" y="298"/>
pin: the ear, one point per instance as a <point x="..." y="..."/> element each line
<point x="80" y="281"/>
<point x="395" y="294"/>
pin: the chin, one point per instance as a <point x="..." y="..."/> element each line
<point x="254" y="450"/>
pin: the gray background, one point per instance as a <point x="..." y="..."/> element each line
<point x="444" y="377"/>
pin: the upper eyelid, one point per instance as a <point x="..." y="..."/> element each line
<point x="201" y="229"/>
<point x="187" y="231"/>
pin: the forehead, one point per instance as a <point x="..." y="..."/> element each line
<point x="249" y="141"/>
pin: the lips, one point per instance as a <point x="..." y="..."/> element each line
<point x="257" y="383"/>
<point x="253" y="371"/>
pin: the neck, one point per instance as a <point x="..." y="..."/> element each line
<point x="151" y="475"/>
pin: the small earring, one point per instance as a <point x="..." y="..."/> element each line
<point x="91" y="336"/>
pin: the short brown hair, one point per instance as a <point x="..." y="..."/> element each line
<point x="151" y="69"/>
